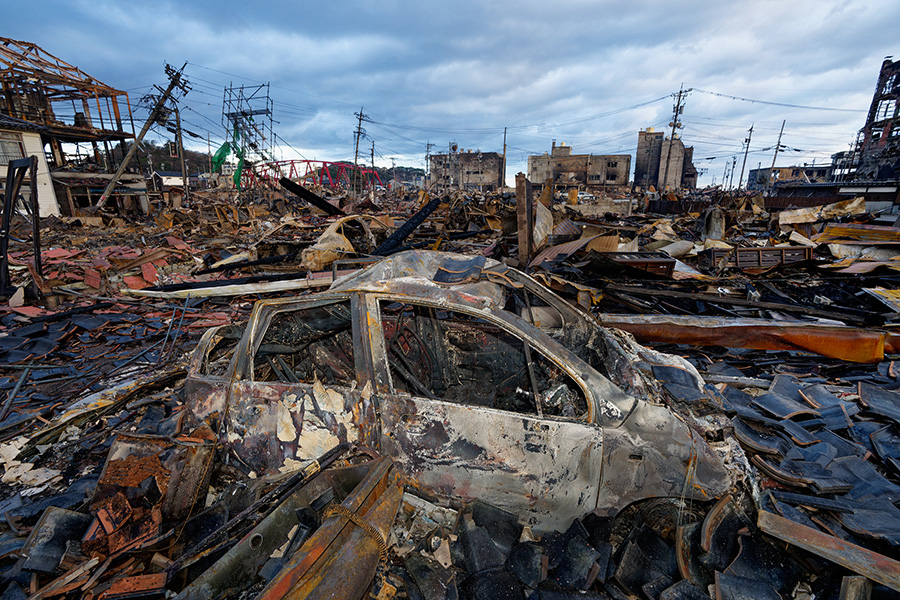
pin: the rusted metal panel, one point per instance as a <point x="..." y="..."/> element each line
<point x="890" y="298"/>
<point x="327" y="558"/>
<point x="274" y="425"/>
<point x="757" y="258"/>
<point x="239" y="567"/>
<point x="561" y="251"/>
<point x="854" y="233"/>
<point x="137" y="586"/>
<point x="179" y="468"/>
<point x="876" y="567"/>
<point x="845" y="343"/>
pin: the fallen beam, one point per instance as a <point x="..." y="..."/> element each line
<point x="851" y="344"/>
<point x="876" y="567"/>
<point x="314" y="199"/>
<point x="240" y="289"/>
<point x="392" y="244"/>
<point x="713" y="299"/>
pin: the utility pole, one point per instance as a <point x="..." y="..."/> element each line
<point x="428" y="147"/>
<point x="725" y="176"/>
<point x="503" y="166"/>
<point x="731" y="179"/>
<point x="359" y="133"/>
<point x="746" y="151"/>
<point x="393" y="174"/>
<point x="679" y="108"/>
<point x="184" y="176"/>
<point x="372" y="179"/>
<point x="209" y="156"/>
<point x="769" y="180"/>
<point x="450" y="161"/>
<point x="174" y="80"/>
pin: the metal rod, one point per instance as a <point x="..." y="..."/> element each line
<point x="9" y="399"/>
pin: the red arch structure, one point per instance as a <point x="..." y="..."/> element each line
<point x="337" y="176"/>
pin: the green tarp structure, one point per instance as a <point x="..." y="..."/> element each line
<point x="219" y="157"/>
<point x="222" y="153"/>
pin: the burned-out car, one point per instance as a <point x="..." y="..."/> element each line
<point x="478" y="381"/>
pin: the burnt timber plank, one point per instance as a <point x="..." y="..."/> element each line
<point x="876" y="567"/>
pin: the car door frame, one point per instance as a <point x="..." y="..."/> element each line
<point x="258" y="409"/>
<point x="533" y="477"/>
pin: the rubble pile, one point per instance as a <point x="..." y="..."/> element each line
<point x="768" y="333"/>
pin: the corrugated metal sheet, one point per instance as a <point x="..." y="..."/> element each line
<point x="562" y="250"/>
<point x="890" y="298"/>
<point x="852" y="233"/>
<point x="567" y="227"/>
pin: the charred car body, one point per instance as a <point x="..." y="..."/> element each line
<point x="478" y="381"/>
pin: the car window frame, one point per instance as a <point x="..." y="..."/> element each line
<point x="263" y="319"/>
<point x="372" y="304"/>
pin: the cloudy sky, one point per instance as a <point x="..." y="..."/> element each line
<point x="587" y="73"/>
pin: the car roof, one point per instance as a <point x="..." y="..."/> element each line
<point x="430" y="274"/>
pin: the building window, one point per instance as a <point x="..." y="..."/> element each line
<point x="594" y="178"/>
<point x="876" y="135"/>
<point x="612" y="164"/>
<point x="886" y="109"/>
<point x="610" y="176"/>
<point x="889" y="84"/>
<point x="11" y="147"/>
<point x="895" y="132"/>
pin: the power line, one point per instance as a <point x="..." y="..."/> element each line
<point x="757" y="101"/>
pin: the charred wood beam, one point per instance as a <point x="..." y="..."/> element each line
<point x="847" y="317"/>
<point x="15" y="176"/>
<point x="524" y="219"/>
<point x="268" y="260"/>
<point x="314" y="199"/>
<point x="876" y="567"/>
<point x="78" y="310"/>
<point x="462" y="235"/>
<point x="392" y="244"/>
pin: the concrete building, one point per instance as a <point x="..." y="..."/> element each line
<point x="879" y="157"/>
<point x="652" y="159"/>
<point x="590" y="172"/>
<point x="466" y="170"/>
<point x="757" y="178"/>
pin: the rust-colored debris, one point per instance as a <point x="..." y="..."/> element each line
<point x="555" y="390"/>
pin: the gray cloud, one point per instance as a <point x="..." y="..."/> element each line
<point x="464" y="70"/>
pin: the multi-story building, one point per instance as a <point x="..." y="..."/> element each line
<point x="466" y="170"/>
<point x="879" y="156"/>
<point x="591" y="172"/>
<point x="653" y="163"/>
<point x="757" y="179"/>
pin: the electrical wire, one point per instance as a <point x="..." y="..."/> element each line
<point x="757" y="101"/>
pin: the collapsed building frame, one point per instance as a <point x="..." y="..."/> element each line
<point x="69" y="104"/>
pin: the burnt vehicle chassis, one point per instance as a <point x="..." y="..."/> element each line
<point x="478" y="381"/>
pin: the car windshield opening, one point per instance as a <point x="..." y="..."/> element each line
<point x="457" y="357"/>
